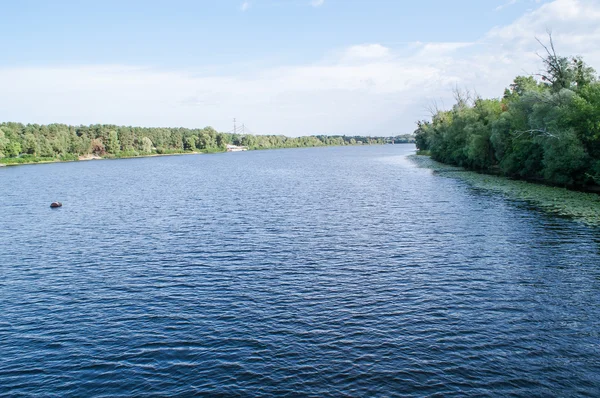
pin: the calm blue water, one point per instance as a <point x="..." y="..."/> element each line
<point x="306" y="272"/>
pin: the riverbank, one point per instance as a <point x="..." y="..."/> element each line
<point x="34" y="143"/>
<point x="83" y="158"/>
<point x="86" y="158"/>
<point x="581" y="206"/>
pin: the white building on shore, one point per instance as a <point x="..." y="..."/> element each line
<point x="235" y="148"/>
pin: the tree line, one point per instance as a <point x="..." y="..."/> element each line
<point x="545" y="127"/>
<point x="20" y="143"/>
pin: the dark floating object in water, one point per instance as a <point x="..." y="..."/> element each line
<point x="55" y="204"/>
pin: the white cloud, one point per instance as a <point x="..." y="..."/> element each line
<point x="245" y="6"/>
<point x="506" y="4"/>
<point x="367" y="51"/>
<point x="366" y="89"/>
<point x="574" y="25"/>
<point x="317" y="3"/>
<point x="441" y="48"/>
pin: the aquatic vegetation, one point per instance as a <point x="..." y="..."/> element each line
<point x="582" y="206"/>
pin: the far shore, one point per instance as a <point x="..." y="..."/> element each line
<point x="86" y="158"/>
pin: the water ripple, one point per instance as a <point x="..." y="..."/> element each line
<point x="311" y="272"/>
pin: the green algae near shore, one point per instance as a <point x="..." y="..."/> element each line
<point x="581" y="206"/>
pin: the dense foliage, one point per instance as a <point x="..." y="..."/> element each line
<point x="21" y="143"/>
<point x="545" y="130"/>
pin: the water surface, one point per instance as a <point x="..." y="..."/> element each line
<point x="316" y="272"/>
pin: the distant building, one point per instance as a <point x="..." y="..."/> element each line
<point x="235" y="148"/>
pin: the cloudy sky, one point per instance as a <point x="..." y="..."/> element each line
<point x="291" y="67"/>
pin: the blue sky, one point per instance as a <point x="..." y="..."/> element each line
<point x="193" y="33"/>
<point x="282" y="66"/>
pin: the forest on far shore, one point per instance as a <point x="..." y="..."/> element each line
<point x="545" y="127"/>
<point x="28" y="143"/>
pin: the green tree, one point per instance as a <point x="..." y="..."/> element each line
<point x="112" y="142"/>
<point x="13" y="149"/>
<point x="564" y="159"/>
<point x="30" y="144"/>
<point x="189" y="143"/>
<point x="146" y="145"/>
<point x="3" y="143"/>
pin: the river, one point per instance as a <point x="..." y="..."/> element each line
<point x="338" y="271"/>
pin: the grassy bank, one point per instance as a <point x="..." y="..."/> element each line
<point x="40" y="160"/>
<point x="29" y="160"/>
<point x="584" y="207"/>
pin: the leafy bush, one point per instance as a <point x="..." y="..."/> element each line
<point x="545" y="130"/>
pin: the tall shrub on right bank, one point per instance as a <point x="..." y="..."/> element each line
<point x="545" y="129"/>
